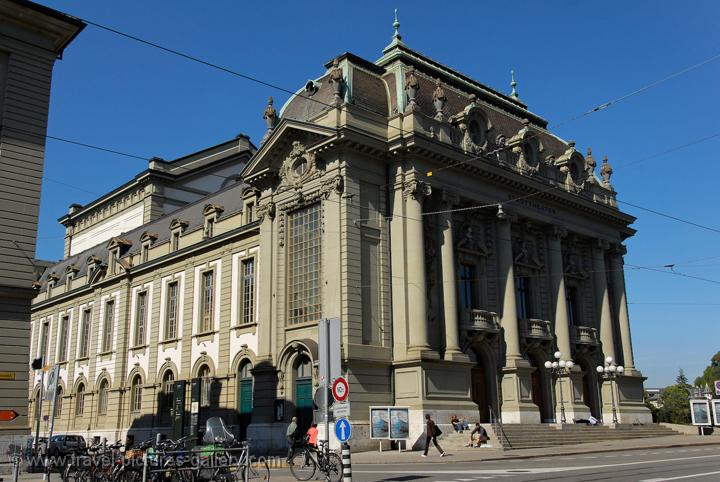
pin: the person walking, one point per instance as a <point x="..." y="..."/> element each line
<point x="291" y="434"/>
<point x="432" y="432"/>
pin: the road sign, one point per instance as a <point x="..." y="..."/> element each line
<point x="340" y="389"/>
<point x="717" y="388"/>
<point x="8" y="415"/>
<point x="318" y="398"/>
<point x="52" y="383"/>
<point x="341" y="410"/>
<point x="343" y="430"/>
<point x="7" y="375"/>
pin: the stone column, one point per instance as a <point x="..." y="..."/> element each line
<point x="414" y="191"/>
<point x="557" y="278"/>
<point x="449" y="281"/>
<point x="607" y="331"/>
<point x="620" y="302"/>
<point x="506" y="270"/>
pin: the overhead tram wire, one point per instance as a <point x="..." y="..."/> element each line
<point x="646" y="87"/>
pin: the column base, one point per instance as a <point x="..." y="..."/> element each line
<point x="422" y="353"/>
<point x="517" y="404"/>
<point x="572" y="395"/>
<point x="456" y="355"/>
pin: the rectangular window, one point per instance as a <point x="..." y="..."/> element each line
<point x="571" y="299"/>
<point x="68" y="282"/>
<point x="141" y="317"/>
<point x="112" y="262"/>
<point x="522" y="288"/>
<point x="63" y="338"/>
<point x="303" y="273"/>
<point x="250" y="216"/>
<point x="206" y="301"/>
<point x="145" y="253"/>
<point x="45" y="331"/>
<point x="467" y="285"/>
<point x="85" y="332"/>
<point x="370" y="281"/>
<point x="209" y="227"/>
<point x="248" y="290"/>
<point x="171" y="310"/>
<point x="175" y="241"/>
<point x="108" y="326"/>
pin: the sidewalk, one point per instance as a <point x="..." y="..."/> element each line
<point x="468" y="455"/>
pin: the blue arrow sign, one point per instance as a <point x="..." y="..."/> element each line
<point x="343" y="430"/>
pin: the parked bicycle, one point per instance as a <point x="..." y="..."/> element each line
<point x="308" y="460"/>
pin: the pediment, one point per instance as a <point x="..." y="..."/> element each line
<point x="286" y="140"/>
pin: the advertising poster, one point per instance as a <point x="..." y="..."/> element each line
<point x="716" y="411"/>
<point x="399" y="423"/>
<point x="379" y="422"/>
<point x="700" y="412"/>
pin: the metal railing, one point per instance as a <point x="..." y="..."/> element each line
<point x="499" y="430"/>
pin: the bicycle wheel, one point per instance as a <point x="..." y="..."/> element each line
<point x="334" y="467"/>
<point x="258" y="471"/>
<point x="302" y="465"/>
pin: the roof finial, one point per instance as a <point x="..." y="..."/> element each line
<point x="396" y="26"/>
<point x="513" y="84"/>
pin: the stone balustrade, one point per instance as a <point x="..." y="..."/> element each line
<point x="535" y="328"/>
<point x="481" y="320"/>
<point x="585" y="335"/>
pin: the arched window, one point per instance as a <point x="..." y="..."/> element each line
<point x="304" y="368"/>
<point x="136" y="394"/>
<point x="80" y="399"/>
<point x="168" y="379"/>
<point x="205" y="385"/>
<point x="103" y="397"/>
<point x="58" y="401"/>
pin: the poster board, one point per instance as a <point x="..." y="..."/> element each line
<point x="716" y="411"/>
<point x="700" y="412"/>
<point x="389" y="423"/>
<point x="379" y="423"/>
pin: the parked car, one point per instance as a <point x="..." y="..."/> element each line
<point x="31" y="446"/>
<point x="65" y="444"/>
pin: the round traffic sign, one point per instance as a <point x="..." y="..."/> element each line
<point x="340" y="389"/>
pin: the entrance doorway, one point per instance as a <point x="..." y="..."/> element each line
<point x="541" y="388"/>
<point x="481" y="392"/>
<point x="538" y="395"/>
<point x="303" y="395"/>
<point x="245" y="397"/>
<point x="591" y="388"/>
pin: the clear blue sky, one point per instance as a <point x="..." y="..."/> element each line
<point x="569" y="57"/>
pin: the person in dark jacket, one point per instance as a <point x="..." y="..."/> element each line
<point x="431" y="433"/>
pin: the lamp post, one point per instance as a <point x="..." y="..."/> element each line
<point x="610" y="371"/>
<point x="559" y="368"/>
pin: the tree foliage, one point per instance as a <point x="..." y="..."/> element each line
<point x="675" y="401"/>
<point x="711" y="373"/>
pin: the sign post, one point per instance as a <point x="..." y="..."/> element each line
<point x="717" y="388"/>
<point x="329" y="351"/>
<point x="51" y="395"/>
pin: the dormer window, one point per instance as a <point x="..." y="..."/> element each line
<point x="212" y="213"/>
<point x="146" y="240"/>
<point x="114" y="254"/>
<point x="250" y="212"/>
<point x="250" y="197"/>
<point x="70" y="274"/>
<point x="117" y="247"/>
<point x="93" y="263"/>
<point x="52" y="280"/>
<point x="177" y="226"/>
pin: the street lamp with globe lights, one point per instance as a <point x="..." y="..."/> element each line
<point x="559" y="368"/>
<point x="610" y="371"/>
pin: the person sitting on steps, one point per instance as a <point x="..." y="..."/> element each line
<point x="482" y="436"/>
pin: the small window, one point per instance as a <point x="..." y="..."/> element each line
<point x="168" y="380"/>
<point x="175" y="241"/>
<point x="80" y="400"/>
<point x="58" y="402"/>
<point x="108" y="325"/>
<point x="44" y="333"/>
<point x="112" y="261"/>
<point x="68" y="281"/>
<point x="247" y="288"/>
<point x="209" y="227"/>
<point x="145" y="253"/>
<point x="250" y="212"/>
<point x="63" y="338"/>
<point x="136" y="394"/>
<point x="207" y="296"/>
<point x="85" y="325"/>
<point x="103" y="397"/>
<point x="206" y="385"/>
<point x="171" y="310"/>
<point x="141" y="317"/>
<point x="304" y="368"/>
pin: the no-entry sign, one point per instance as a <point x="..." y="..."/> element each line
<point x="340" y="389"/>
<point x="8" y="415"/>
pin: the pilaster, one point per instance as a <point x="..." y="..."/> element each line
<point x="618" y="281"/>
<point x="607" y="331"/>
<point x="557" y="276"/>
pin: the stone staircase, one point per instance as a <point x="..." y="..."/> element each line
<point x="524" y="436"/>
<point x="452" y="441"/>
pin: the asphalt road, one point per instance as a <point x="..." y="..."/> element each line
<point x="658" y="465"/>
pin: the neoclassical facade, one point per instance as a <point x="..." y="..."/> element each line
<point x="459" y="241"/>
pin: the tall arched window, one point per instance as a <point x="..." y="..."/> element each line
<point x="136" y="394"/>
<point x="58" y="401"/>
<point x="80" y="399"/>
<point x="206" y="384"/>
<point x="103" y="397"/>
<point x="168" y="379"/>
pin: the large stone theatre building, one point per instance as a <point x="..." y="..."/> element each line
<point x="459" y="241"/>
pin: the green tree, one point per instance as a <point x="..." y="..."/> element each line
<point x="675" y="404"/>
<point x="681" y="379"/>
<point x="711" y="373"/>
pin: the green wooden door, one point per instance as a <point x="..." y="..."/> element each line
<point x="304" y="403"/>
<point x="245" y="405"/>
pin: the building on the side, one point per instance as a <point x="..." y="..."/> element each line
<point x="32" y="37"/>
<point x="460" y="242"/>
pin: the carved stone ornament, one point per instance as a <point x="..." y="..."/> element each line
<point x="439" y="101"/>
<point x="300" y="166"/>
<point x="333" y="185"/>
<point x="337" y="80"/>
<point x="525" y="254"/>
<point x="470" y="240"/>
<point x="416" y="189"/>
<point x="606" y="172"/>
<point x="267" y="209"/>
<point x="270" y="114"/>
<point x="570" y="164"/>
<point x="590" y="167"/>
<point x="526" y="149"/>
<point x="412" y="87"/>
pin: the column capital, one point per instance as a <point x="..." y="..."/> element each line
<point x="557" y="231"/>
<point x="416" y="189"/>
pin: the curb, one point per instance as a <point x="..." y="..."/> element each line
<point x="555" y="454"/>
